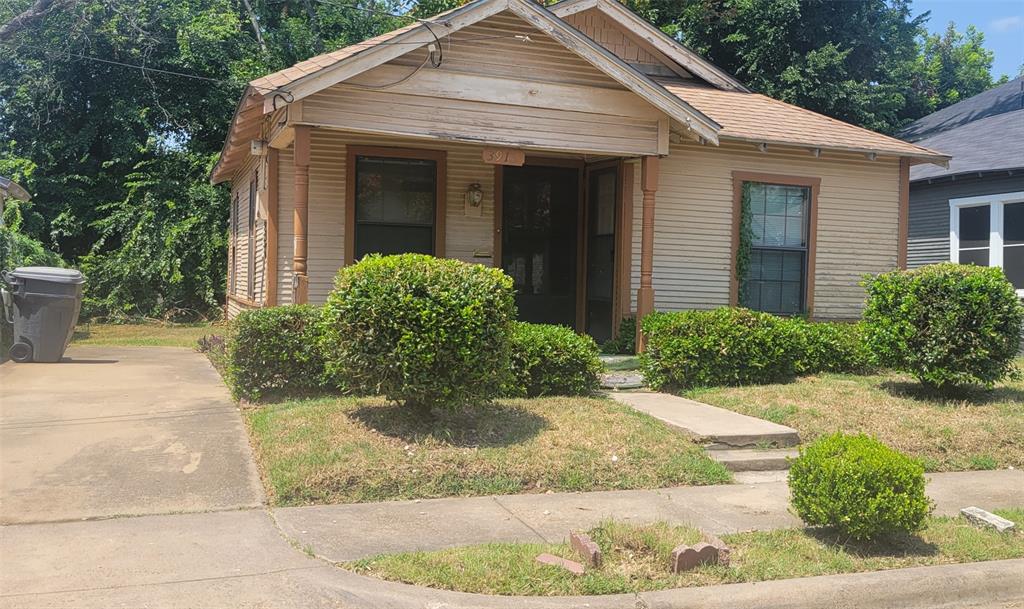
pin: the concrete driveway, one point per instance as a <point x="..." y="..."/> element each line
<point x="116" y="431"/>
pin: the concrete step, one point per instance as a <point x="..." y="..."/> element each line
<point x="754" y="459"/>
<point x="710" y="424"/>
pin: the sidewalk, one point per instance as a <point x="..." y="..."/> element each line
<point x="348" y="532"/>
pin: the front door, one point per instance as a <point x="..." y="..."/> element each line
<point x="541" y="216"/>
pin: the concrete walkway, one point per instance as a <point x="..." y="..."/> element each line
<point x="130" y="431"/>
<point x="707" y="423"/>
<point x="399" y="526"/>
<point x="120" y="431"/>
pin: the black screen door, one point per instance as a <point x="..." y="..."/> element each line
<point x="602" y="192"/>
<point x="540" y="222"/>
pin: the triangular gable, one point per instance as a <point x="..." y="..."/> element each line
<point x="645" y="34"/>
<point x="322" y="72"/>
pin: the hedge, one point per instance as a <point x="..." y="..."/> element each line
<point x="551" y="360"/>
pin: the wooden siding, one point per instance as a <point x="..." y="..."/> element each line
<point x="490" y="47"/>
<point x="928" y="241"/>
<point x="467" y="238"/>
<point x="495" y="89"/>
<point x="857" y="224"/>
<point x="609" y="34"/>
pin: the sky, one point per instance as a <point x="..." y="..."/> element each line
<point x="1002" y="22"/>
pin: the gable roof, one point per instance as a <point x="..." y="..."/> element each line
<point x="645" y="31"/>
<point x="1007" y="97"/>
<point x="983" y="133"/>
<point x="318" y="73"/>
<point x="758" y="118"/>
<point x="723" y="106"/>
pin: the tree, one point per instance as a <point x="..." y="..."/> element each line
<point x="956" y="66"/>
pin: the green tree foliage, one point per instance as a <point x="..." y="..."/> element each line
<point x="116" y="151"/>
<point x="956" y="66"/>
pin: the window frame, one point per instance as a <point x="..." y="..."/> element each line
<point x="250" y="277"/>
<point x="439" y="157"/>
<point x="997" y="204"/>
<point x="810" y="182"/>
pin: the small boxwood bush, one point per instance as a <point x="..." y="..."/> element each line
<point x="858" y="486"/>
<point x="625" y="342"/>
<point x="727" y="346"/>
<point x="833" y="347"/>
<point x="275" y="351"/>
<point x="420" y="330"/>
<point x="949" y="325"/>
<point x="551" y="360"/>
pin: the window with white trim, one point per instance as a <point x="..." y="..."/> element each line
<point x="989" y="231"/>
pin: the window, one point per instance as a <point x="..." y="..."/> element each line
<point x="397" y="202"/>
<point x="989" y="231"/>
<point x="777" y="270"/>
<point x="251" y="271"/>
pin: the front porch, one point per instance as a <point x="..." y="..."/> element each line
<point x="566" y="226"/>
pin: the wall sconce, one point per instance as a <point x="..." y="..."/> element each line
<point x="474" y="200"/>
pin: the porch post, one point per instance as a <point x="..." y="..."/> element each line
<point x="301" y="282"/>
<point x="904" y="214"/>
<point x="645" y="295"/>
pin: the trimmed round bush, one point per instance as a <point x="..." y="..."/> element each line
<point x="949" y="325"/>
<point x="726" y="346"/>
<point x="858" y="486"/>
<point x="551" y="360"/>
<point x="420" y="330"/>
<point x="275" y="351"/>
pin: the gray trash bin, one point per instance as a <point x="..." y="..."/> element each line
<point x="46" y="301"/>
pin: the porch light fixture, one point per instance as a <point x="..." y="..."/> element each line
<point x="474" y="195"/>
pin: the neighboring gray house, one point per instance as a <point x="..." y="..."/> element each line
<point x="972" y="211"/>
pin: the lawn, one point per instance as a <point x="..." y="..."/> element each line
<point x="343" y="450"/>
<point x="979" y="430"/>
<point x="153" y="334"/>
<point x="636" y="559"/>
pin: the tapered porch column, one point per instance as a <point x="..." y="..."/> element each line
<point x="645" y="295"/>
<point x="301" y="156"/>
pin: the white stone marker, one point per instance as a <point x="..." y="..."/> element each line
<point x="980" y="517"/>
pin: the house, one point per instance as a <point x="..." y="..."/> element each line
<point x="973" y="210"/>
<point x="603" y="165"/>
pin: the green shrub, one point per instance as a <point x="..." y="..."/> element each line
<point x="625" y="342"/>
<point x="727" y="346"/>
<point x="551" y="360"/>
<point x="421" y="330"/>
<point x="833" y="347"/>
<point x="859" y="486"/>
<point x="276" y="351"/>
<point x="949" y="325"/>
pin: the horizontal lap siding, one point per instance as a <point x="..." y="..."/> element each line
<point x="857" y="224"/>
<point x="928" y="241"/>
<point x="465" y="236"/>
<point x="445" y="118"/>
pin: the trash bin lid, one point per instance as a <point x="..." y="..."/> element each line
<point x="48" y="273"/>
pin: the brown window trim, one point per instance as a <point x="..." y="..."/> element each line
<point x="438" y="156"/>
<point x="738" y="178"/>
<point x="250" y="277"/>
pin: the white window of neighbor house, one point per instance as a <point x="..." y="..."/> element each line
<point x="988" y="230"/>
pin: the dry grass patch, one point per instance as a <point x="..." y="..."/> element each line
<point x="978" y="430"/>
<point x="155" y="334"/>
<point x="343" y="450"/>
<point x="636" y="559"/>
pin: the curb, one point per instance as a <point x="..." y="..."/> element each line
<point x="936" y="587"/>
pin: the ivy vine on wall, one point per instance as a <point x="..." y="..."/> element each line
<point x="743" y="246"/>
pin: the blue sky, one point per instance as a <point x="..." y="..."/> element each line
<point x="1002" y="21"/>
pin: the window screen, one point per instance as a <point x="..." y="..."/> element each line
<point x="396" y="203"/>
<point x="776" y="275"/>
<point x="974" y="234"/>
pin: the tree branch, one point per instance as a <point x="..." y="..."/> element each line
<point x="29" y="17"/>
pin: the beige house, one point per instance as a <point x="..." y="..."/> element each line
<point x="600" y="163"/>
